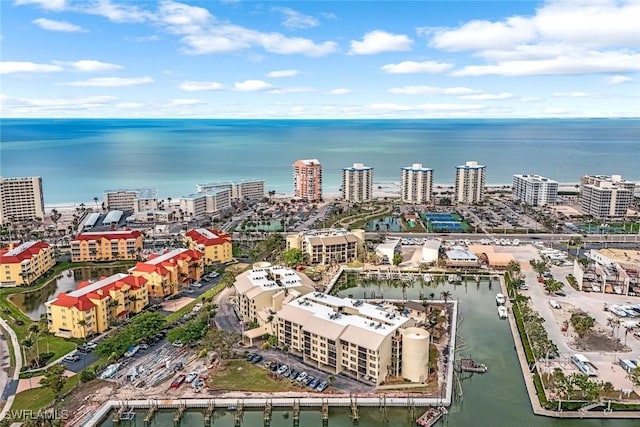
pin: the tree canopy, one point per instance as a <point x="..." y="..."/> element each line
<point x="54" y="379"/>
<point x="292" y="257"/>
<point x="582" y="323"/>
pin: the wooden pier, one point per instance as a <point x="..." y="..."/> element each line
<point x="238" y="415"/>
<point x="355" y="413"/>
<point x="178" y="416"/>
<point x="208" y="414"/>
<point x="267" y="414"/>
<point x="124" y="414"/>
<point x="384" y="409"/>
<point x="296" y="413"/>
<point x="153" y="407"/>
<point x="325" y="413"/>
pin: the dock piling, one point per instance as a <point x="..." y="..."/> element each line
<point x="296" y="413"/>
<point x="238" y="416"/>
<point x="208" y="414"/>
<point x="355" y="413"/>
<point x="178" y="416"/>
<point x="267" y="414"/>
<point x="153" y="407"/>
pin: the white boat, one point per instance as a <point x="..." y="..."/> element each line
<point x="502" y="312"/>
<point x="427" y="277"/>
<point x="110" y="371"/>
<point x="515" y="242"/>
<point x="500" y="299"/>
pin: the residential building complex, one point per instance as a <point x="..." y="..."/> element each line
<point x="137" y="200"/>
<point x="21" y="199"/>
<point x="24" y="264"/>
<point x="416" y="185"/>
<point x="212" y="201"/>
<point x="261" y="291"/>
<point x="357" y="183"/>
<point x="470" y="183"/>
<point x="106" y="245"/>
<point x="241" y="190"/>
<point x="328" y="246"/>
<point x="167" y="273"/>
<point x="605" y="197"/>
<point x="215" y="245"/>
<point x="361" y="340"/>
<point x="95" y="306"/>
<point x="307" y="179"/>
<point x="535" y="190"/>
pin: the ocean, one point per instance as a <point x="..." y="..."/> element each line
<point x="79" y="159"/>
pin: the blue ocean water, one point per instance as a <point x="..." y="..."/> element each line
<point x="80" y="158"/>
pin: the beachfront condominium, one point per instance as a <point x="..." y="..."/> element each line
<point x="215" y="245"/>
<point x="307" y="179"/>
<point x="416" y="184"/>
<point x="106" y="246"/>
<point x="21" y="199"/>
<point x="470" y="183"/>
<point x="328" y="246"/>
<point x="212" y="201"/>
<point x="24" y="264"/>
<point x="357" y="183"/>
<point x="251" y="189"/>
<point x="605" y="197"/>
<point x="535" y="190"/>
<point x="137" y="200"/>
<point x="95" y="306"/>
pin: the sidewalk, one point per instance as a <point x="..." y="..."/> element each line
<point x="17" y="368"/>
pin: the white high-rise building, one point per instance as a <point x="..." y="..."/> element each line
<point x="416" y="184"/>
<point x="21" y="199"/>
<point x="357" y="183"/>
<point x="470" y="183"/>
<point x="535" y="190"/>
<point x="605" y="196"/>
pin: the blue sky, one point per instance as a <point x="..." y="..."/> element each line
<point x="320" y="59"/>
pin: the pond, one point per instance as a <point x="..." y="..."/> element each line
<point x="31" y="303"/>
<point x="388" y="223"/>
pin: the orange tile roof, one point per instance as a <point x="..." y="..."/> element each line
<point x="81" y="303"/>
<point x="109" y="235"/>
<point x="23" y="252"/>
<point x="208" y="237"/>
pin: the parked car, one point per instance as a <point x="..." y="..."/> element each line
<point x="250" y="356"/>
<point x="553" y="303"/>
<point x="293" y="374"/>
<point x="192" y="376"/>
<point x="197" y="285"/>
<point x="256" y="359"/>
<point x="71" y="358"/>
<point x="302" y="376"/>
<point x="314" y="383"/>
<point x="282" y="369"/>
<point x="178" y="344"/>
<point x="91" y="345"/>
<point x="322" y="386"/>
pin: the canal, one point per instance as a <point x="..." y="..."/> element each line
<point x="495" y="399"/>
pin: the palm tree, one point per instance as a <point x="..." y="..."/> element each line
<point x="26" y="344"/>
<point x="83" y="323"/>
<point x="95" y="200"/>
<point x="445" y="295"/>
<point x="34" y="329"/>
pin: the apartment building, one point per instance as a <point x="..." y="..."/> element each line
<point x="261" y="291"/>
<point x="95" y="306"/>
<point x="24" y="264"/>
<point x="137" y="200"/>
<point x="470" y="183"/>
<point x="328" y="246"/>
<point x="416" y="184"/>
<point x="357" y="183"/>
<point x="535" y="190"/>
<point x="106" y="245"/>
<point x="215" y="245"/>
<point x="169" y="272"/>
<point x="307" y="179"/>
<point x="605" y="197"/>
<point x="361" y="340"/>
<point x="212" y="201"/>
<point x="21" y="199"/>
<point x="241" y="190"/>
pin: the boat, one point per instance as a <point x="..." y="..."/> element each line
<point x="502" y="312"/>
<point x="178" y="381"/>
<point x="110" y="371"/>
<point x="500" y="299"/>
<point x="431" y="417"/>
<point x="468" y="365"/>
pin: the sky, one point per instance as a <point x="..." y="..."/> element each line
<point x="320" y="59"/>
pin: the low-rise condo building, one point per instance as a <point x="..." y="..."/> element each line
<point x="261" y="291"/>
<point x="253" y="189"/>
<point x="307" y="179"/>
<point x="535" y="190"/>
<point x="215" y="245"/>
<point x="361" y="340"/>
<point x="137" y="200"/>
<point x="169" y="272"/>
<point x="605" y="197"/>
<point x="357" y="183"/>
<point x="470" y="183"/>
<point x="106" y="246"/>
<point x="21" y="199"/>
<point x="326" y="246"/>
<point x="24" y="264"/>
<point x="416" y="185"/>
<point x="213" y="201"/>
<point x="95" y="306"/>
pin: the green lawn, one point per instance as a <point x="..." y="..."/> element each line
<point x="240" y="375"/>
<point x="187" y="308"/>
<point x="38" y="398"/>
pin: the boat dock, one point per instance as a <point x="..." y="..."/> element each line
<point x="431" y="417"/>
<point x="467" y="364"/>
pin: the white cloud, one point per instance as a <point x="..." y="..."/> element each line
<point x="182" y="17"/>
<point x="283" y="73"/>
<point x="252" y="86"/>
<point x="90" y="66"/>
<point x="392" y="107"/>
<point x="380" y="41"/>
<point x="79" y="103"/>
<point x="575" y="94"/>
<point x="182" y="102"/>
<point x="296" y="20"/>
<point x="110" y="82"/>
<point x="45" y="4"/>
<point x="591" y="62"/>
<point x="413" y="67"/>
<point x="485" y="35"/>
<point x="295" y="89"/>
<point x="195" y="86"/>
<point x="51" y="25"/>
<point x="116" y="12"/>
<point x="615" y="80"/>
<point x="129" y="105"/>
<point x="431" y="90"/>
<point x="488" y="96"/>
<point x="11" y="67"/>
<point x="339" y="91"/>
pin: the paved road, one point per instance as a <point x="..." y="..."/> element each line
<point x="9" y="386"/>
<point x="226" y="317"/>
